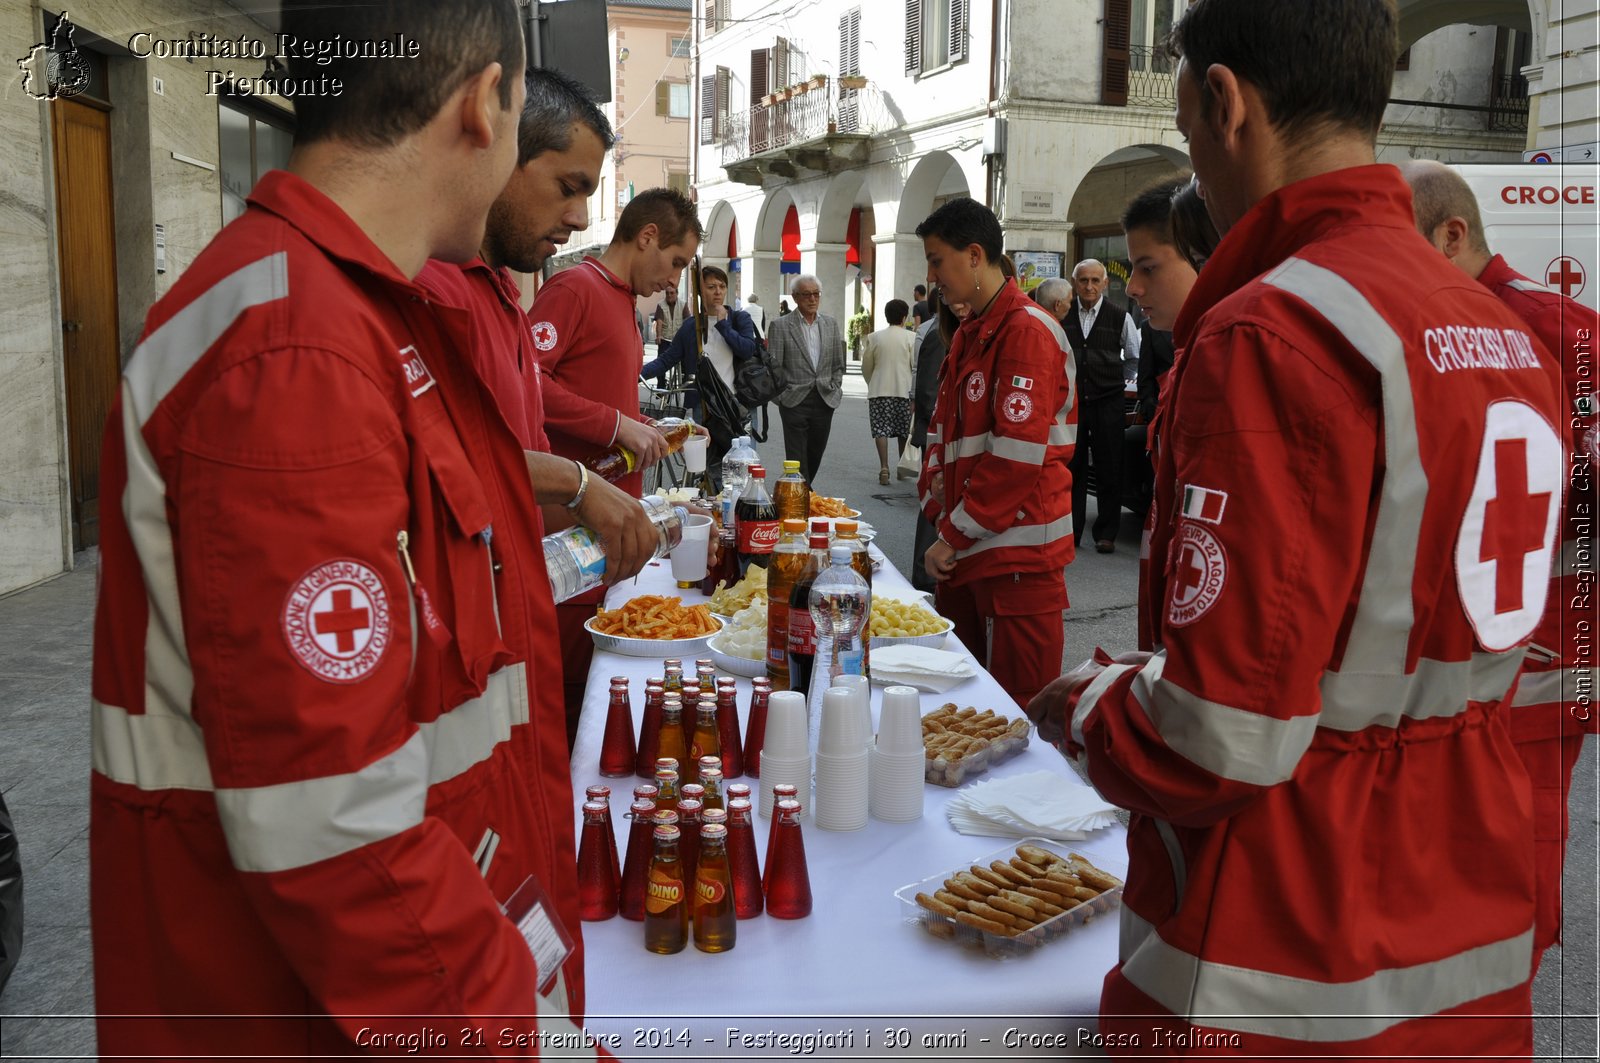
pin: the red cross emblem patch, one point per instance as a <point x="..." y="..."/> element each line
<point x="544" y="335"/>
<point x="336" y="621"/>
<point x="1017" y="407"/>
<point x="1566" y="275"/>
<point x="1200" y="575"/>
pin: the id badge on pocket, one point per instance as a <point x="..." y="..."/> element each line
<point x="530" y="909"/>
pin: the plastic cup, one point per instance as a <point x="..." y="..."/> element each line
<point x="842" y="732"/>
<point x="694" y="452"/>
<point x="689" y="556"/>
<point x="900" y="721"/>
<point x="786" y="737"/>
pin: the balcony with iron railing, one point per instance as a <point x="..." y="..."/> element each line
<point x="1505" y="112"/>
<point x="1150" y="70"/>
<point x="824" y="129"/>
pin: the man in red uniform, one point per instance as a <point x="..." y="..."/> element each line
<point x="1357" y="499"/>
<point x="588" y="351"/>
<point x="995" y="480"/>
<point x="1548" y="718"/>
<point x="317" y="793"/>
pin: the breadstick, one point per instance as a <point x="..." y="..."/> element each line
<point x="936" y="906"/>
<point x="988" y="926"/>
<point x="977" y="885"/>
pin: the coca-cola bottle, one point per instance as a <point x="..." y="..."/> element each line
<point x="756" y="521"/>
<point x="802" y="629"/>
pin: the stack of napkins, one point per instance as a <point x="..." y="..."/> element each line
<point x="935" y="671"/>
<point x="1040" y="804"/>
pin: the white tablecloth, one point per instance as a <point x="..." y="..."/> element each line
<point x="853" y="968"/>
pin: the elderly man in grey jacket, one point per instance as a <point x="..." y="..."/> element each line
<point x="809" y="347"/>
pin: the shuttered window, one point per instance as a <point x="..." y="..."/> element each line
<point x="913" y="37"/>
<point x="936" y="34"/>
<point x="1114" y="54"/>
<point x="958" y="30"/>
<point x="708" y="109"/>
<point x="850" y="42"/>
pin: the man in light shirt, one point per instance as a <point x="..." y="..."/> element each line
<point x="809" y="348"/>
<point x="758" y="315"/>
<point x="1105" y="343"/>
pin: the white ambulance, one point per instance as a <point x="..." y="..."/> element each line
<point x="1545" y="219"/>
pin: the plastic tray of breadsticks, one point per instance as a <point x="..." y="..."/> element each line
<point x="1048" y="890"/>
<point x="960" y="743"/>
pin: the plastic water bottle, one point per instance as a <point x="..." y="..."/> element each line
<point x="736" y="466"/>
<point x="576" y="559"/>
<point x="840" y="604"/>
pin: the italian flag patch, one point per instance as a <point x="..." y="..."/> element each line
<point x="1202" y="503"/>
<point x="1022" y="383"/>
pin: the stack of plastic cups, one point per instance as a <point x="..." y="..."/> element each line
<point x="785" y="753"/>
<point x="898" y="763"/>
<point x="842" y="768"/>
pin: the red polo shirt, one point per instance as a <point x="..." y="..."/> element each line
<point x="587" y="345"/>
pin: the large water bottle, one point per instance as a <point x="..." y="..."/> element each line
<point x="840" y="604"/>
<point x="736" y="466"/>
<point x="576" y="559"/>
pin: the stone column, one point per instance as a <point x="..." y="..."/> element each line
<point x="762" y="278"/>
<point x="901" y="267"/>
<point x="827" y="262"/>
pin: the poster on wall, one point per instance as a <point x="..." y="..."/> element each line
<point x="1036" y="267"/>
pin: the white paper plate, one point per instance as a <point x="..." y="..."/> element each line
<point x="727" y="662"/>
<point x="648" y="647"/>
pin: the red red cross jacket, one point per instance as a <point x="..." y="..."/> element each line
<point x="1555" y="695"/>
<point x="1002" y="434"/>
<point x="317" y="776"/>
<point x="1357" y="494"/>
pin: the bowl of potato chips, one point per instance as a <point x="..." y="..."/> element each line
<point x="752" y="587"/>
<point x="653" y="625"/>
<point x="896" y="622"/>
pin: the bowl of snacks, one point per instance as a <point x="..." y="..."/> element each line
<point x="823" y="506"/>
<point x="752" y="587"/>
<point x="896" y="622"/>
<point x="741" y="646"/>
<point x="653" y="625"/>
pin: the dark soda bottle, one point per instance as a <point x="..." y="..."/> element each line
<point x="618" y="754"/>
<point x="755" y="731"/>
<point x="788" y="562"/>
<point x="781" y="792"/>
<point x="726" y="570"/>
<point x="743" y="865"/>
<point x="636" y="866"/>
<point x="666" y="907"/>
<point x="650" y="730"/>
<point x="728" y="728"/>
<point x="597" y="875"/>
<point x="802" y="629"/>
<point x="603" y="795"/>
<point x="756" y="520"/>
<point x="788" y="881"/>
<point x="715" y="925"/>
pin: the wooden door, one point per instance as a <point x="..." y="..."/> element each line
<point x="89" y="338"/>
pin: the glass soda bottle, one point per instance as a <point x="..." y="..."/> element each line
<point x="705" y="670"/>
<point x="755" y="730"/>
<point x="736" y="790"/>
<point x="706" y="742"/>
<point x="726" y="572"/>
<point x="788" y="562"/>
<point x="715" y="924"/>
<point x="711" y="780"/>
<point x="691" y="705"/>
<point x="666" y="908"/>
<point x="666" y="789"/>
<point x="597" y="874"/>
<point x="689" y="845"/>
<point x="728" y="728"/>
<point x="791" y="495"/>
<point x="743" y="865"/>
<point x="617" y="461"/>
<point x="756" y="521"/>
<point x="781" y="792"/>
<point x="576" y="559"/>
<point x="603" y="795"/>
<point x="802" y="630"/>
<point x="619" y="756"/>
<point x="636" y="864"/>
<point x="672" y="668"/>
<point x="840" y="602"/>
<point x="691" y="791"/>
<point x="646" y="791"/>
<point x="669" y="742"/>
<point x="788" y="881"/>
<point x="650" y="730"/>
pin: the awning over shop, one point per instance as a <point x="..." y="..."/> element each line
<point x="791" y="242"/>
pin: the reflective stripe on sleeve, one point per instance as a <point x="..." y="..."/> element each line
<point x="1023" y="535"/>
<point x="155" y="751"/>
<point x="1523" y="285"/>
<point x="1229" y="742"/>
<point x="297" y="824"/>
<point x="1554" y="687"/>
<point x="1091" y="697"/>
<point x="1061" y="435"/>
<point x="1383" y="621"/>
<point x="966" y="525"/>
<point x="1228" y="997"/>
<point x="1352" y="701"/>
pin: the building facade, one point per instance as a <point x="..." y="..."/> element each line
<point x="825" y="134"/>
